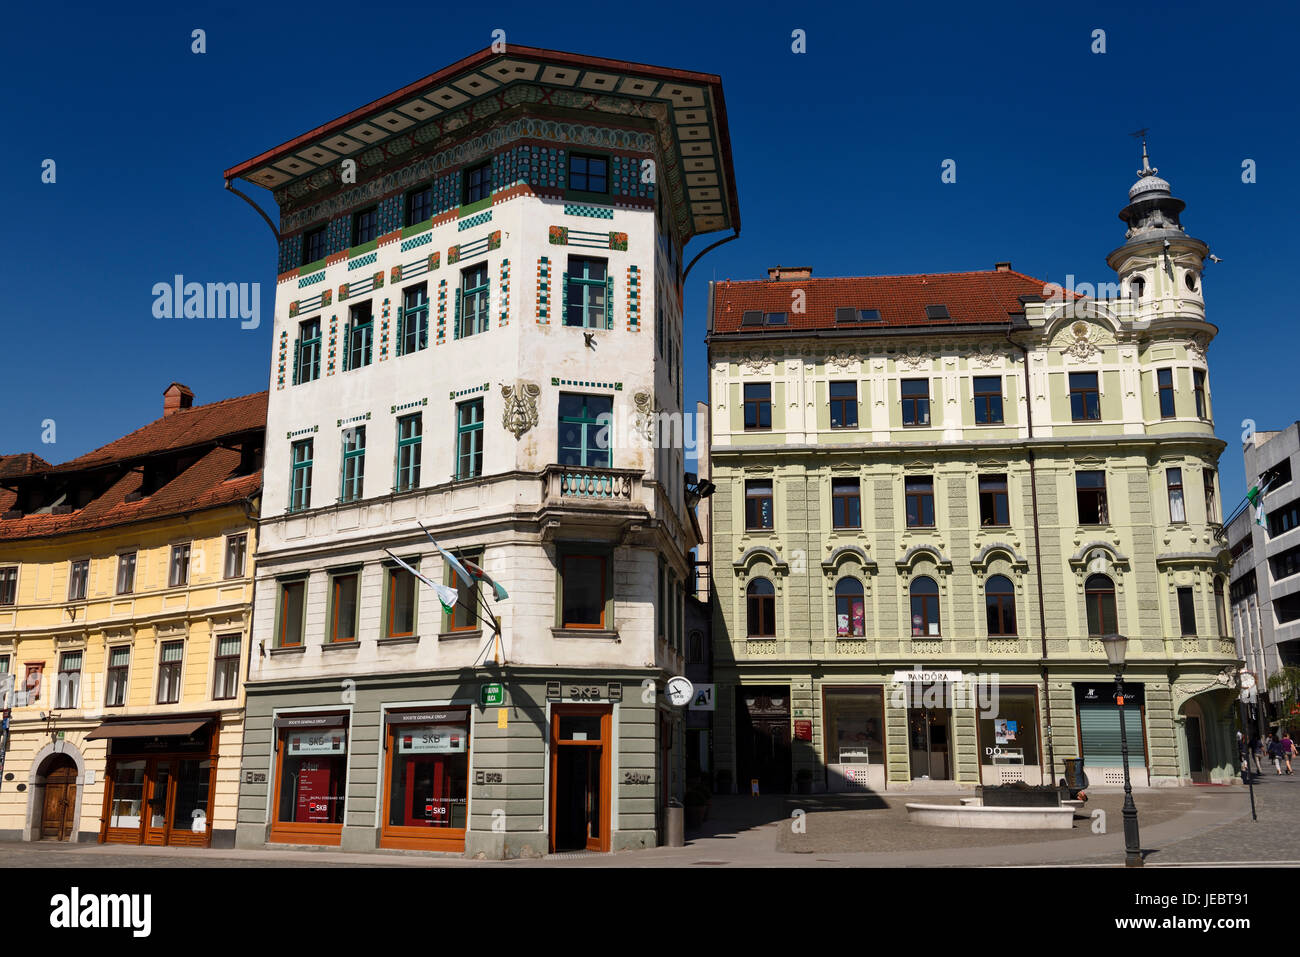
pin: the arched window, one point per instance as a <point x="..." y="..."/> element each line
<point x="1136" y="286"/>
<point x="760" y="598"/>
<point x="1099" y="594"/>
<point x="925" y="608"/>
<point x="850" y="616"/>
<point x="1000" y="601"/>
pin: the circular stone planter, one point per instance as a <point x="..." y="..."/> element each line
<point x="1005" y="818"/>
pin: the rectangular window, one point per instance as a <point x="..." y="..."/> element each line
<point x="1174" y="479"/>
<point x="78" y="572"/>
<point x="1198" y="389"/>
<point x="343" y="606"/>
<point x="469" y="439"/>
<point x="474" y="301"/>
<point x="758" y="406"/>
<point x="413" y="327"/>
<point x="225" y="667"/>
<point x="586" y="293"/>
<point x="365" y="225"/>
<point x="313" y="245"/>
<point x="300" y="481"/>
<point x="236" y="549"/>
<point x="169" y="671"/>
<point x="313" y="773"/>
<point x="1186" y="612"/>
<point x="1090" y="496"/>
<point x="988" y="399"/>
<point x="125" y="573"/>
<point x="400" y="622"/>
<point x="464" y="616"/>
<point x="478" y="182"/>
<point x="1009" y="734"/>
<point x="589" y="174"/>
<point x="1211" y="503"/>
<point x="846" y="503"/>
<point x="308" y="367"/>
<point x="354" y="464"/>
<point x="1085" y="398"/>
<point x="844" y="405"/>
<point x="8" y="585"/>
<point x="428" y="780"/>
<point x="585" y="585"/>
<point x="758" y="504"/>
<point x="68" y="692"/>
<point x="410" y="436"/>
<point x="584" y="429"/>
<point x="292" y="598"/>
<point x="119" y="663"/>
<point x="916" y="401"/>
<point x="179" y="573"/>
<point x="919" y="494"/>
<point x="1165" y="386"/>
<point x="360" y="336"/>
<point x="419" y="205"/>
<point x="994" y="506"/>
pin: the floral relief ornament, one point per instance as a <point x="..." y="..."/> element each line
<point x="842" y="360"/>
<point x="986" y="355"/>
<point x="912" y="359"/>
<point x="1196" y="347"/>
<point x="520" y="413"/>
<point x="1081" y="343"/>
<point x="755" y="362"/>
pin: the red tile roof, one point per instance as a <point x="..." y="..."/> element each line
<point x="20" y="463"/>
<point x="971" y="298"/>
<point x="211" y="481"/>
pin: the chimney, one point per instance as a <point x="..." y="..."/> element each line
<point x="789" y="272"/>
<point x="1002" y="267"/>
<point x="176" y="398"/>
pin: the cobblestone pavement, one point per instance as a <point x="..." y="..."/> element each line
<point x="1209" y="825"/>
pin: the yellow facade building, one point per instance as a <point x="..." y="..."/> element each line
<point x="125" y="601"/>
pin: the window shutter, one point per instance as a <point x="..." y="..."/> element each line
<point x="456" y="328"/>
<point x="297" y="352"/>
<point x="401" y="316"/>
<point x="564" y="300"/>
<point x="347" y="345"/>
<point x="609" y="302"/>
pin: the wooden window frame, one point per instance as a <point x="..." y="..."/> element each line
<point x="122" y="566"/>
<point x="1083" y="392"/>
<point x="284" y="587"/>
<point x="177" y="666"/>
<point x="113" y="671"/>
<point x="33" y="689"/>
<point x="8" y="585"/>
<point x="219" y="661"/>
<point x="848" y="405"/>
<point x="915" y="408"/>
<point x="1165" y="390"/>
<point x="1099" y="492"/>
<point x="305" y="832"/>
<point x="606" y="560"/>
<point x="391" y="571"/>
<point x="1005" y="604"/>
<point x="401" y="837"/>
<point x="846" y="502"/>
<point x="60" y="682"/>
<point x="241" y="537"/>
<point x="336" y="578"/>
<point x="606" y="745"/>
<point x="848" y="598"/>
<point x="761" y="607"/>
<point x="992" y="496"/>
<point x="73" y="578"/>
<point x="453" y="580"/>
<point x="921" y="497"/>
<point x="181" y="580"/>
<point x="758" y="405"/>
<point x="925" y="598"/>
<point x="751" y="495"/>
<point x="988" y="397"/>
<point x="1095" y="598"/>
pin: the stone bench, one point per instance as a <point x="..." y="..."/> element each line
<point x="975" y="815"/>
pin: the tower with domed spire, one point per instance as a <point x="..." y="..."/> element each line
<point x="1159" y="265"/>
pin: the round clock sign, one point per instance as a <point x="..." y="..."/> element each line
<point x="679" y="691"/>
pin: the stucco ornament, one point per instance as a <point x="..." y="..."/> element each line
<point x="913" y="359"/>
<point x="986" y="355"/>
<point x="643" y="419"/>
<point x="755" y="362"/>
<point x="842" y="360"/>
<point x="1196" y="348"/>
<point x="1080" y="342"/>
<point x="520" y="413"/>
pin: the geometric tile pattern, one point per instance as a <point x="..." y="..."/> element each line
<point x="505" y="293"/>
<point x="334" y="334"/>
<point x="596" y="212"/>
<point x="284" y="352"/>
<point x="616" y="386"/>
<point x="544" y="291"/>
<point x="442" y="311"/>
<point x="383" y="332"/>
<point x="633" y="298"/>
<point x="470" y="391"/>
<point x="469" y="222"/>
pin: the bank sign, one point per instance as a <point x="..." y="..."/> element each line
<point x="328" y="741"/>
<point x="442" y="739"/>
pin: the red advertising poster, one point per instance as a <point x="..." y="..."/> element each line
<point x="313" y="798"/>
<point x="803" y="730"/>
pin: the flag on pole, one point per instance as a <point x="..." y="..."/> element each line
<point x="452" y="560"/>
<point x="498" y="592"/>
<point x="446" y="594"/>
<point x="1256" y="498"/>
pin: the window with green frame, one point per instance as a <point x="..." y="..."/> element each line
<point x="588" y="296"/>
<point x="300" y="480"/>
<point x="410" y="432"/>
<point x="465" y="615"/>
<point x="469" y="439"/>
<point x="401" y="597"/>
<point x="306" y="352"/>
<point x="358" y="336"/>
<point x="413" y="320"/>
<point x="584" y="429"/>
<point x="472" y="301"/>
<point x="354" y="464"/>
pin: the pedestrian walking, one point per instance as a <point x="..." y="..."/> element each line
<point x="1275" y="753"/>
<point x="1256" y="750"/>
<point x="1288" y="749"/>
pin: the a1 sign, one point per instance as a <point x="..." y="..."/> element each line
<point x="491" y="694"/>
<point x="703" y="700"/>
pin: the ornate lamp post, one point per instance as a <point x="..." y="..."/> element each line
<point x="1116" y="646"/>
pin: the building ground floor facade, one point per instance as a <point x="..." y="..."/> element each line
<point x="845" y="728"/>
<point x="163" y="779"/>
<point x="492" y="763"/>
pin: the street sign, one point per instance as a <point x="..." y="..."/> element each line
<point x="490" y="694"/>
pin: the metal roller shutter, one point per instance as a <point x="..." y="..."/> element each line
<point x="1099" y="727"/>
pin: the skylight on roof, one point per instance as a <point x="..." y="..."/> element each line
<point x="937" y="312"/>
<point x="869" y="315"/>
<point x="752" y="317"/>
<point x="776" y="318"/>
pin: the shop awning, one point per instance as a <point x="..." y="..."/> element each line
<point x="155" y="729"/>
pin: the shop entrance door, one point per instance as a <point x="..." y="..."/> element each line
<point x="580" y="778"/>
<point x="158" y="804"/>
<point x="1196" y="751"/>
<point x="59" y="807"/>
<point x="763" y="739"/>
<point x="928" y="737"/>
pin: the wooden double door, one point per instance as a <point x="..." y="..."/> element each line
<point x="159" y="801"/>
<point x="59" y="803"/>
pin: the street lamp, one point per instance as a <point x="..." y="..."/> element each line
<point x="1116" y="646"/>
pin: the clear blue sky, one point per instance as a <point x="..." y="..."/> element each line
<point x="837" y="152"/>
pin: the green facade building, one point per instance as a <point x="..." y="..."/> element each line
<point x="935" y="493"/>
